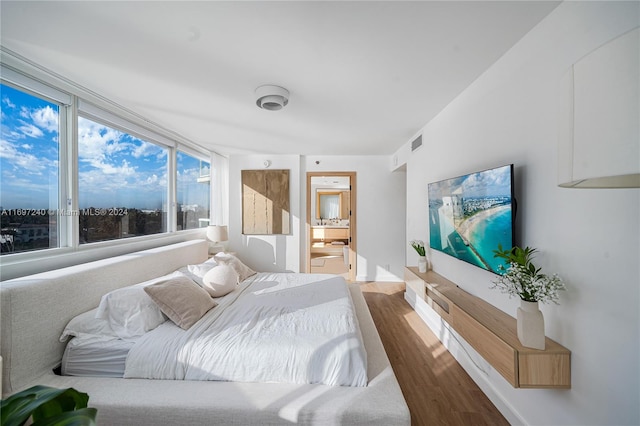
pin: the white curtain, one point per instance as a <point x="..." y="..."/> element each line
<point x="219" y="190"/>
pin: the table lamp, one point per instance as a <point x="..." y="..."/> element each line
<point x="216" y="234"/>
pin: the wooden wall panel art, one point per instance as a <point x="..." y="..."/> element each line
<point x="265" y="202"/>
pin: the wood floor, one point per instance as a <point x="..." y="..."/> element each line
<point x="329" y="265"/>
<point x="437" y="390"/>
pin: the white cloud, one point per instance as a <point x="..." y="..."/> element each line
<point x="152" y="182"/>
<point x="8" y="103"/>
<point x="35" y="121"/>
<point x="45" y="118"/>
<point x="96" y="142"/>
<point x="112" y="166"/>
<point x="495" y="181"/>
<point x="23" y="161"/>
<point x="9" y="133"/>
<point x="124" y="170"/>
<point x="188" y="176"/>
<point x="7" y="175"/>
<point x="28" y="186"/>
<point x="147" y="149"/>
<point x="30" y="130"/>
<point x="119" y="181"/>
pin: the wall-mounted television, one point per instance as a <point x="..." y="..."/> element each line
<point x="470" y="215"/>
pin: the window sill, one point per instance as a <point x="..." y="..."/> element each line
<point x="32" y="262"/>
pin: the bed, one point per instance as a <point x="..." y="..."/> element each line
<point x="36" y="310"/>
<point x="272" y="327"/>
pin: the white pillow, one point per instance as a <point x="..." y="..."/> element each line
<point x="87" y="324"/>
<point x="221" y="280"/>
<point x="197" y="272"/>
<point x="243" y="270"/>
<point x="130" y="311"/>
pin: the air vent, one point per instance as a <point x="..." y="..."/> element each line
<point x="417" y="143"/>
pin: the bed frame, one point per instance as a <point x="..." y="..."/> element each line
<point x="35" y="310"/>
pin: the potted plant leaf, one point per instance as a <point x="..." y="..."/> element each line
<point x="45" y="405"/>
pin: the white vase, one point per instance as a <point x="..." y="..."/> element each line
<point x="423" y="264"/>
<point x="530" y="325"/>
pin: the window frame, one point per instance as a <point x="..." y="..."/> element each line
<point x="33" y="79"/>
<point x="35" y="88"/>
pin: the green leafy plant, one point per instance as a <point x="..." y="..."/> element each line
<point x="47" y="406"/>
<point x="523" y="279"/>
<point x="418" y="245"/>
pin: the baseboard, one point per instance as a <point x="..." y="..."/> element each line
<point x="480" y="371"/>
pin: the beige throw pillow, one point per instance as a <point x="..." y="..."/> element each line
<point x="182" y="300"/>
<point x="243" y="270"/>
<point x="220" y="280"/>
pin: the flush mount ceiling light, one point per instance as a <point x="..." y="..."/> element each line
<point x="272" y="97"/>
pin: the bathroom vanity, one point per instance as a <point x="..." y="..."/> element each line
<point x="329" y="239"/>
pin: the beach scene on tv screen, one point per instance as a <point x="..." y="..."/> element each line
<point x="470" y="215"/>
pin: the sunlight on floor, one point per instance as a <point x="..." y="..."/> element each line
<point x="329" y="265"/>
<point x="438" y="351"/>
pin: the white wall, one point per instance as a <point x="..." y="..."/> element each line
<point x="380" y="215"/>
<point x="590" y="237"/>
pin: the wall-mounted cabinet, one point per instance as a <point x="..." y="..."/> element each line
<point x="492" y="333"/>
<point x="319" y="233"/>
<point x="329" y="240"/>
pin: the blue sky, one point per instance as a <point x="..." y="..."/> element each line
<point x="114" y="169"/>
<point x="488" y="183"/>
<point x="28" y="151"/>
<point x="493" y="182"/>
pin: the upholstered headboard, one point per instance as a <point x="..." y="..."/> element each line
<point x="36" y="308"/>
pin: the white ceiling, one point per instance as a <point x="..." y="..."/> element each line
<point x="364" y="77"/>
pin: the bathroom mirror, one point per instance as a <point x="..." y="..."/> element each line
<point x="332" y="204"/>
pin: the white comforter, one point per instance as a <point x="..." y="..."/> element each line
<point x="275" y="327"/>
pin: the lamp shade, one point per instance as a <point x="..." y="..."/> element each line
<point x="217" y="233"/>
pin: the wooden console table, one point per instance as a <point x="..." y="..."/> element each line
<point x="492" y="333"/>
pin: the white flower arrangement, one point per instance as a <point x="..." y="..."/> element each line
<point x="524" y="280"/>
<point x="418" y="245"/>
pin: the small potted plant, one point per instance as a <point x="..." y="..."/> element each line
<point x="423" y="263"/>
<point x="522" y="279"/>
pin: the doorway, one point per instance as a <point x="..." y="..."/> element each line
<point x="331" y="223"/>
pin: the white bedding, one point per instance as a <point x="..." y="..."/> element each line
<point x="275" y="327"/>
<point x="95" y="356"/>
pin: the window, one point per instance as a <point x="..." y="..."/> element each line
<point x="193" y="191"/>
<point x="76" y="170"/>
<point x="122" y="184"/>
<point x="29" y="167"/>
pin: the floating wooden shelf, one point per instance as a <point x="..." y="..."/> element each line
<point x="492" y="333"/>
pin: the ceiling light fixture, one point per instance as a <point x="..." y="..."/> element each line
<point x="272" y="97"/>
